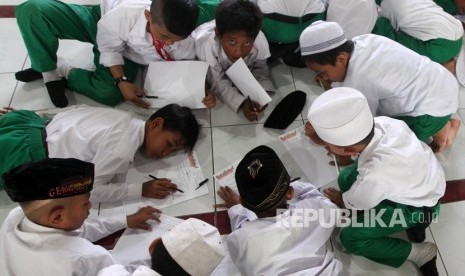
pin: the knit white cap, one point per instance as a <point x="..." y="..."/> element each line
<point x="195" y="245"/>
<point x="341" y="116"/>
<point x="320" y="37"/>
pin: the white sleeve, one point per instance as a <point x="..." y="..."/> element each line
<point x="238" y="215"/>
<point x="223" y="87"/>
<point x="112" y="33"/>
<point x="94" y="229"/>
<point x="114" y="270"/>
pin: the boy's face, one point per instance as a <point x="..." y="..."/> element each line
<point x="328" y="72"/>
<point x="236" y="45"/>
<point x="159" y="142"/>
<point x="75" y="212"/>
<point x="161" y="33"/>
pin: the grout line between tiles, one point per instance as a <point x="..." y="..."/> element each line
<point x="439" y="252"/>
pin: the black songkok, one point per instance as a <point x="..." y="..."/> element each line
<point x="261" y="179"/>
<point x="49" y="179"/>
<point x="287" y="110"/>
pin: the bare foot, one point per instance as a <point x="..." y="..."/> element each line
<point x="450" y="65"/>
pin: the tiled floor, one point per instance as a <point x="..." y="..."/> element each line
<point x="227" y="136"/>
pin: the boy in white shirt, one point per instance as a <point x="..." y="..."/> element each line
<point x="234" y="34"/>
<point x="264" y="238"/>
<point x="397" y="181"/>
<point x="107" y="137"/>
<point x="50" y="229"/>
<point x="126" y="35"/>
<point x="396" y="81"/>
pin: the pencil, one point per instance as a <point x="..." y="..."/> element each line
<point x="294" y="179"/>
<point x="148" y="97"/>
<point x="156" y="178"/>
<point x="252" y="106"/>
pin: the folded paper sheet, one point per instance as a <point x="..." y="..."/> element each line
<point x="181" y="82"/>
<point x="241" y="76"/>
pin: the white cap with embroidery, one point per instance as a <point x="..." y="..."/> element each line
<point x="320" y="37"/>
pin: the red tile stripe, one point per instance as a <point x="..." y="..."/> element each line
<point x="7" y="11"/>
<point x="455" y="191"/>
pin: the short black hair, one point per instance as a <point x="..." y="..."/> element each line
<point x="163" y="263"/>
<point x="177" y="16"/>
<point x="234" y="16"/>
<point x="329" y="57"/>
<point x="179" y="119"/>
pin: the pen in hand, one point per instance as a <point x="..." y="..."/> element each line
<point x="294" y="179"/>
<point x="202" y="183"/>
<point x="252" y="106"/>
<point x="156" y="178"/>
<point x="148" y="97"/>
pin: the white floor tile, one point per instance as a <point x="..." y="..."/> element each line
<point x="448" y="234"/>
<point x="462" y="97"/>
<point x="304" y="80"/>
<point x="12" y="50"/>
<point x="7" y="89"/>
<point x="31" y="96"/>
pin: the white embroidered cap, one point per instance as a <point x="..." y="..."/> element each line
<point x="320" y="37"/>
<point x="195" y="245"/>
<point x="341" y="116"/>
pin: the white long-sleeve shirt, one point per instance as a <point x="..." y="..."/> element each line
<point x="422" y="19"/>
<point x="397" y="81"/>
<point x="398" y="167"/>
<point x="120" y="270"/>
<point x="208" y="48"/>
<point x="121" y="32"/>
<point x="296" y="8"/>
<point x="106" y="137"/>
<point x="275" y="246"/>
<point x="27" y="248"/>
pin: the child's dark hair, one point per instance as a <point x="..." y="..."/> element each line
<point x="163" y="263"/>
<point x="177" y="16"/>
<point x="238" y="15"/>
<point x="329" y="57"/>
<point x="179" y="119"/>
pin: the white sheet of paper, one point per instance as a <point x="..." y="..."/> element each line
<point x="226" y="266"/>
<point x="131" y="250"/>
<point x="225" y="177"/>
<point x="183" y="169"/>
<point x="312" y="159"/>
<point x="241" y="76"/>
<point x="181" y="82"/>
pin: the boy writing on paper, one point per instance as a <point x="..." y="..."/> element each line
<point x="50" y="230"/>
<point x="265" y="240"/>
<point x="192" y="247"/>
<point x="107" y="137"/>
<point x="396" y="178"/>
<point x="234" y="34"/>
<point x="397" y="82"/>
<point x="126" y="35"/>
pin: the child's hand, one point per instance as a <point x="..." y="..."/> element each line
<point x="132" y="93"/>
<point x="311" y="133"/>
<point x="209" y="101"/>
<point x="251" y="111"/>
<point x="159" y="188"/>
<point x="229" y="196"/>
<point x="139" y="219"/>
<point x="5" y="110"/>
<point x="325" y="84"/>
<point x="335" y="196"/>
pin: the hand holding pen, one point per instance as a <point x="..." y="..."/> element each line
<point x="251" y="109"/>
<point x="158" y="188"/>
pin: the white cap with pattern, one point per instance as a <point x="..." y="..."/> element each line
<point x="195" y="245"/>
<point x="341" y="116"/>
<point x="320" y="37"/>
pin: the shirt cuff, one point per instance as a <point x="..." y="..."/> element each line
<point x="134" y="191"/>
<point x="111" y="59"/>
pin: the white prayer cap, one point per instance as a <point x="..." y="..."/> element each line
<point x="460" y="66"/>
<point x="321" y="36"/>
<point x="341" y="116"/>
<point x="195" y="245"/>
